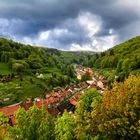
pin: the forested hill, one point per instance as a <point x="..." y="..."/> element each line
<point x="122" y="59"/>
<point x="28" y="71"/>
<point x="22" y="57"/>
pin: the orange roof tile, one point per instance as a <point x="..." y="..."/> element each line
<point x="26" y="106"/>
<point x="53" y="111"/>
<point x="13" y="119"/>
<point x="73" y="102"/>
<point x="9" y="110"/>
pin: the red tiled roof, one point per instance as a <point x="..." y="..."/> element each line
<point x="26" y="106"/>
<point x="39" y="104"/>
<point x="53" y="111"/>
<point x="53" y="95"/>
<point x="13" y="119"/>
<point x="9" y="110"/>
<point x="73" y="102"/>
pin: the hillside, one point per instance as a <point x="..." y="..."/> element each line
<point x="28" y="71"/>
<point x="121" y="60"/>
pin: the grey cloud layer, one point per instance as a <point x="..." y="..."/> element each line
<point x="26" y="19"/>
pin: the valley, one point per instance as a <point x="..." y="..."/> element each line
<point x="75" y="88"/>
<point x="60" y="98"/>
<point x="70" y="70"/>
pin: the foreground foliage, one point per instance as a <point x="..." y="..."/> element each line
<point x="115" y="116"/>
<point x="34" y="124"/>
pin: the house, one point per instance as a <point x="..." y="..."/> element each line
<point x="26" y="105"/>
<point x="90" y="82"/>
<point x="100" y="85"/>
<point x="73" y="101"/>
<point x="10" y="111"/>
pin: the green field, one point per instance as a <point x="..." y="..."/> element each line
<point x="29" y="86"/>
<point x="18" y="90"/>
<point x="4" y="69"/>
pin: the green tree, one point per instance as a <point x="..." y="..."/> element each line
<point x="64" y="127"/>
<point x="34" y="124"/>
<point x="70" y="71"/>
<point x="111" y="52"/>
<point x="80" y="121"/>
<point x="4" y="57"/>
<point x="17" y="67"/>
<point x="117" y="115"/>
<point x="89" y="97"/>
<point x="119" y="66"/>
<point x="3" y="126"/>
<point x="125" y="65"/>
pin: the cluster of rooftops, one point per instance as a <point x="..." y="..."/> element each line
<point x="60" y="99"/>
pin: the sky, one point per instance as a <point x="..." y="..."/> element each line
<point x="73" y="25"/>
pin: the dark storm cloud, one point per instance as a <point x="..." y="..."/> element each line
<point x="46" y="13"/>
<point x="28" y="18"/>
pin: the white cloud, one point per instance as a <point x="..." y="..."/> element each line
<point x="52" y="34"/>
<point x="131" y="5"/>
<point x="4" y="24"/>
<point x="104" y="43"/>
<point x="28" y="40"/>
<point x="78" y="34"/>
<point x="97" y="44"/>
<point x="77" y="47"/>
<point x="9" y="27"/>
<point x="59" y="32"/>
<point x="75" y="34"/>
<point x="111" y="31"/>
<point x="44" y="35"/>
<point x="89" y="22"/>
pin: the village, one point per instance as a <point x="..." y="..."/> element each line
<point x="61" y="98"/>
